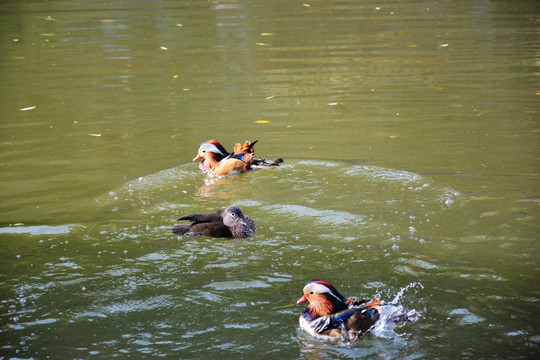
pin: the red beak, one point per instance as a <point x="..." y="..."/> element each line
<point x="302" y="299"/>
<point x="197" y="157"/>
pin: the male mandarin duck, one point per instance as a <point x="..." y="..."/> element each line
<point x="329" y="314"/>
<point x="219" y="162"/>
<point x="228" y="223"/>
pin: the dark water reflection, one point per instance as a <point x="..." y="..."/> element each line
<point x="410" y="137"/>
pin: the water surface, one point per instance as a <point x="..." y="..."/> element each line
<point x="410" y="137"/>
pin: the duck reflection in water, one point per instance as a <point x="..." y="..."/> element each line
<point x="228" y="223"/>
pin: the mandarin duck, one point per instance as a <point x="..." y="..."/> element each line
<point x="219" y="162"/>
<point x="228" y="223"/>
<point x="330" y="315"/>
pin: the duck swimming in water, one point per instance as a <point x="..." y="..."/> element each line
<point x="330" y="315"/>
<point x="228" y="223"/>
<point x="219" y="162"/>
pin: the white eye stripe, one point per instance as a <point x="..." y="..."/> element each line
<point x="212" y="148"/>
<point x="318" y="288"/>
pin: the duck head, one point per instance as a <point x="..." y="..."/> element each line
<point x="239" y="224"/>
<point x="212" y="152"/>
<point x="323" y="298"/>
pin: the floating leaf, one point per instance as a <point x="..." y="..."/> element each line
<point x="163" y="48"/>
<point x="262" y="44"/>
<point x="27" y="108"/>
<point x="393" y="136"/>
<point x="483" y="112"/>
<point x="267" y="34"/>
<point x="262" y="122"/>
<point x="97" y="135"/>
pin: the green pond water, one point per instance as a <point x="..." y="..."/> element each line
<point x="410" y="134"/>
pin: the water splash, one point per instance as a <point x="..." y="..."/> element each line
<point x="394" y="314"/>
<point x="401" y="292"/>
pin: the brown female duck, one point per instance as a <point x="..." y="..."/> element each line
<point x="228" y="223"/>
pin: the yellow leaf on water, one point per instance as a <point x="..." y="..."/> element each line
<point x="393" y="136"/>
<point x="48" y="35"/>
<point x="262" y="44"/>
<point x="107" y="20"/>
<point x="175" y="76"/>
<point x="262" y="122"/>
<point x="163" y="48"/>
<point x="267" y="34"/>
<point x="483" y="112"/>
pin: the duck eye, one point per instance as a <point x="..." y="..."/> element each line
<point x="311" y="292"/>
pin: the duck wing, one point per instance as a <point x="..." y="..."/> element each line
<point x="357" y="320"/>
<point x="203" y="224"/>
<point x="203" y="218"/>
<point x="211" y="229"/>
